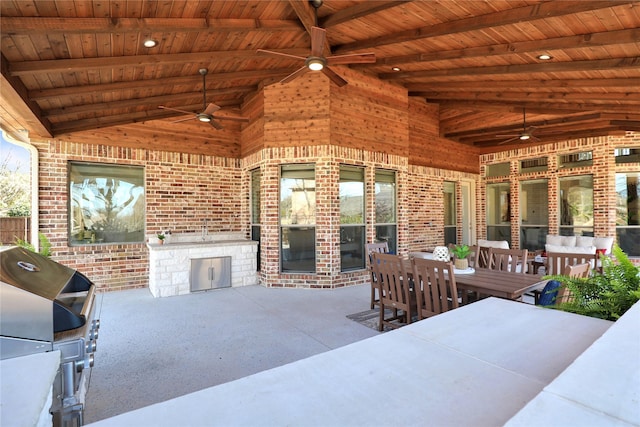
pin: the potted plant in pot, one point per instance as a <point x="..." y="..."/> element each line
<point x="160" y="238"/>
<point x="461" y="256"/>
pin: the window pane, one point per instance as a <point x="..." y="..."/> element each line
<point x="351" y="195"/>
<point x="387" y="233"/>
<point x="534" y="214"/>
<point x="450" y="229"/>
<point x="297" y="218"/>
<point x="498" y="212"/>
<point x="107" y="203"/>
<point x="385" y="193"/>
<point x="499" y="169"/>
<point x="576" y="205"/>
<point x="298" y="197"/>
<point x="628" y="212"/>
<point x="352" y="247"/>
<point x="256" y="177"/>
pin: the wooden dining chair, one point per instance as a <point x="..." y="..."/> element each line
<point x="514" y="260"/>
<point x="481" y="259"/>
<point x="557" y="261"/>
<point x="393" y="285"/>
<point x="371" y="248"/>
<point x="434" y="284"/>
<point x="555" y="292"/>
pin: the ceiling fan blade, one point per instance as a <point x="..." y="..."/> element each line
<point x="318" y="39"/>
<point x="509" y="140"/>
<point x="211" y="108"/>
<point x="215" y="124"/>
<point x="339" y="81"/>
<point x="292" y="76"/>
<point x="183" y="120"/>
<point x="285" y="55"/>
<point x="176" y="109"/>
<point x="512" y="135"/>
<point x="352" y="58"/>
<point x="233" y="118"/>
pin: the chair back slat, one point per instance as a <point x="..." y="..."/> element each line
<point x="514" y="260"/>
<point x="575" y="271"/>
<point x="435" y="286"/>
<point x="391" y="274"/>
<point x="482" y="257"/>
<point x="557" y="261"/>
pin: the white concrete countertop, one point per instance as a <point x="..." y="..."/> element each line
<point x="477" y="365"/>
<point x="178" y="245"/>
<point x="601" y="388"/>
<point x="26" y="389"/>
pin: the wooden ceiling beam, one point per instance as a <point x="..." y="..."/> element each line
<point x="155" y="101"/>
<point x="535" y="107"/>
<point x="202" y="59"/>
<point x="307" y="15"/>
<point x="524" y="85"/>
<point x="511" y="16"/>
<point x="605" y="38"/>
<point x="38" y="25"/>
<point x="621" y="97"/>
<point x="15" y="96"/>
<point x="121" y="119"/>
<point x="212" y="79"/>
<point x="358" y="11"/>
<point x="549" y="67"/>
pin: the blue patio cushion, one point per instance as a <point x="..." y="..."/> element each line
<point x="549" y="293"/>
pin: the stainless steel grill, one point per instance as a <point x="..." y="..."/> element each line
<point x="45" y="306"/>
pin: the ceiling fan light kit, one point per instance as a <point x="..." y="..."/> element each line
<point x="315" y="63"/>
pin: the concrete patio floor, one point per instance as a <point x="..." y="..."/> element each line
<point x="154" y="349"/>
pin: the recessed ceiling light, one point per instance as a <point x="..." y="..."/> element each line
<point x="150" y="43"/>
<point x="395" y="69"/>
<point x="545" y="57"/>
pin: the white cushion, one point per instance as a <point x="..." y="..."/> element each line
<point x="570" y="249"/>
<point x="501" y="244"/>
<point x="603" y="243"/>
<point x="584" y="241"/>
<point x="554" y="239"/>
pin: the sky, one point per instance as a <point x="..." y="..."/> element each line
<point x="17" y="155"/>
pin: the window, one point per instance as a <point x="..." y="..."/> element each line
<point x="534" y="214"/>
<point x="499" y="212"/>
<point x="385" y="204"/>
<point x="450" y="229"/>
<point x="298" y="218"/>
<point x="627" y="155"/>
<point x="533" y="165"/>
<point x="576" y="205"/>
<point x="352" y="229"/>
<point x="106" y="203"/>
<point x="628" y="212"/>
<point x="499" y="169"/>
<point x="256" y="178"/>
<point x="576" y="160"/>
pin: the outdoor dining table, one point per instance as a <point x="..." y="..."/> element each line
<point x="501" y="284"/>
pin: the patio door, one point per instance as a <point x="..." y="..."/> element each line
<point x="468" y="211"/>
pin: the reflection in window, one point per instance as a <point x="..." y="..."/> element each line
<point x="352" y="231"/>
<point x="107" y="203"/>
<point x="628" y="212"/>
<point x="298" y="218"/>
<point x="576" y="205"/>
<point x="534" y="214"/>
<point x="256" y="177"/>
<point x="385" y="204"/>
<point x="450" y="229"/>
<point x="499" y="212"/>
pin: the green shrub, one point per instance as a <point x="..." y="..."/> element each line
<point x="608" y="295"/>
<point x="45" y="245"/>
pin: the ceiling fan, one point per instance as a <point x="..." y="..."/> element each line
<point x="525" y="135"/>
<point x="316" y="61"/>
<point x="207" y="114"/>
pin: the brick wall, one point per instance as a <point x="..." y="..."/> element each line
<point x="181" y="191"/>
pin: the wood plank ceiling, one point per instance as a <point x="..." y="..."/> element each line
<point x="74" y="65"/>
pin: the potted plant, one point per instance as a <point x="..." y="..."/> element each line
<point x="607" y="295"/>
<point x="161" y="238"/>
<point x="461" y="254"/>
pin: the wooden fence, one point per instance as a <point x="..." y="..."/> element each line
<point x="14" y="228"/>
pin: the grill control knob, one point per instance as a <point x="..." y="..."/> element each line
<point x="91" y="346"/>
<point x="93" y="334"/>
